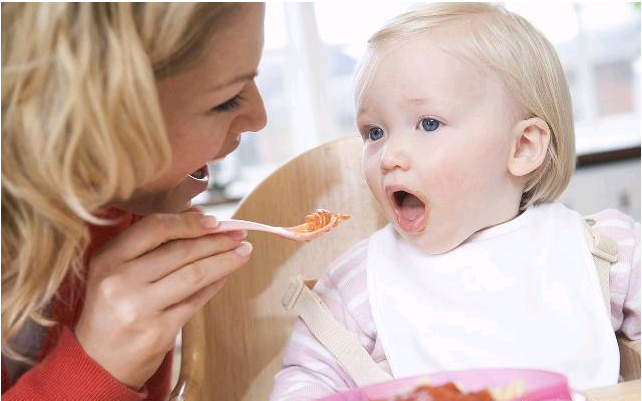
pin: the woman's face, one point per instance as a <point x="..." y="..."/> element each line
<point x="206" y="109"/>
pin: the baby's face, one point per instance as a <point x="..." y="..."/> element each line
<point x="437" y="140"/>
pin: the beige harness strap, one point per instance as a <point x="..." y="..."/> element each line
<point x="344" y="345"/>
<point x="604" y="250"/>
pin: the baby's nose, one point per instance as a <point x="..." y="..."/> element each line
<point x="395" y="156"/>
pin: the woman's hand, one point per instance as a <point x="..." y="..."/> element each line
<point x="145" y="284"/>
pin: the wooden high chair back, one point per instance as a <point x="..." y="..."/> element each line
<point x="233" y="347"/>
<point x="245" y="324"/>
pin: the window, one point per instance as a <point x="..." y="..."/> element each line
<point x="599" y="47"/>
<point x="614" y="85"/>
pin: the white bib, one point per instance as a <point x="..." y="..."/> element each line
<point x="521" y="294"/>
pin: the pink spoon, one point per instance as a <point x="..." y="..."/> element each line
<point x="316" y="224"/>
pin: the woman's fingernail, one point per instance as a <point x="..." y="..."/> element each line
<point x="244" y="249"/>
<point x="238" y="235"/>
<point x="209" y="221"/>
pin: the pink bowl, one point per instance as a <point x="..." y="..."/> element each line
<point x="539" y="385"/>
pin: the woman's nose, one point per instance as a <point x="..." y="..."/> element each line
<point x="257" y="117"/>
<point x="395" y="155"/>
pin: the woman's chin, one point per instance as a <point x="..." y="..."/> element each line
<point x="180" y="198"/>
<point x="174" y="200"/>
<point x="195" y="183"/>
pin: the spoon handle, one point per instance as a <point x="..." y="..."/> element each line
<point x="233" y="225"/>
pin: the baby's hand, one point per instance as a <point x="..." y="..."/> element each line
<point x="145" y="284"/>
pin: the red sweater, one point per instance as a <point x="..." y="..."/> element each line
<point x="64" y="371"/>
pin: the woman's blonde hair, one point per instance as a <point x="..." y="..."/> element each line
<point x="81" y="126"/>
<point x="505" y="43"/>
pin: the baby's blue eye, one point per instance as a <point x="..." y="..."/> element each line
<point x="375" y="133"/>
<point x="429" y="124"/>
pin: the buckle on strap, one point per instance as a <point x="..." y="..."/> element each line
<point x="292" y="292"/>
<point x="605" y="248"/>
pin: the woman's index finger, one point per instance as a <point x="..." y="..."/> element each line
<point x="155" y="229"/>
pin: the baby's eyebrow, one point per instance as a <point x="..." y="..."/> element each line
<point x="417" y="101"/>
<point x="428" y="101"/>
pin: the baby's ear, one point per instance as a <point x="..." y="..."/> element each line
<point x="530" y="143"/>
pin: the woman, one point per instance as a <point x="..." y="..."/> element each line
<point x="109" y="115"/>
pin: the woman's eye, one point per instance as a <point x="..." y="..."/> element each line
<point x="430" y="124"/>
<point x="375" y="133"/>
<point x="228" y="105"/>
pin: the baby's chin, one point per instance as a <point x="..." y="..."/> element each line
<point x="430" y="240"/>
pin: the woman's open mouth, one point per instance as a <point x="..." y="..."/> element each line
<point x="201" y="174"/>
<point x="409" y="208"/>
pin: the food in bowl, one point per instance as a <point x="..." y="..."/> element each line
<point x="503" y="384"/>
<point x="445" y="392"/>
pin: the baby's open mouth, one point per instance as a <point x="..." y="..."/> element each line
<point x="200" y="174"/>
<point x="410" y="210"/>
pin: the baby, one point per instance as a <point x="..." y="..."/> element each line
<point x="468" y="137"/>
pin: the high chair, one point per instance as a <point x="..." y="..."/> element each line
<point x="239" y="335"/>
<point x="232" y="348"/>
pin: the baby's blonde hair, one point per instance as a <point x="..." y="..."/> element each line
<point x="81" y="127"/>
<point x="506" y="44"/>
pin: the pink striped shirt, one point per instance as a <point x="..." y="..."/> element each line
<point x="310" y="371"/>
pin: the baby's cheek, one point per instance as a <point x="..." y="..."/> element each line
<point x="458" y="193"/>
<point x="452" y="181"/>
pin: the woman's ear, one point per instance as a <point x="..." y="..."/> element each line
<point x="530" y="144"/>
